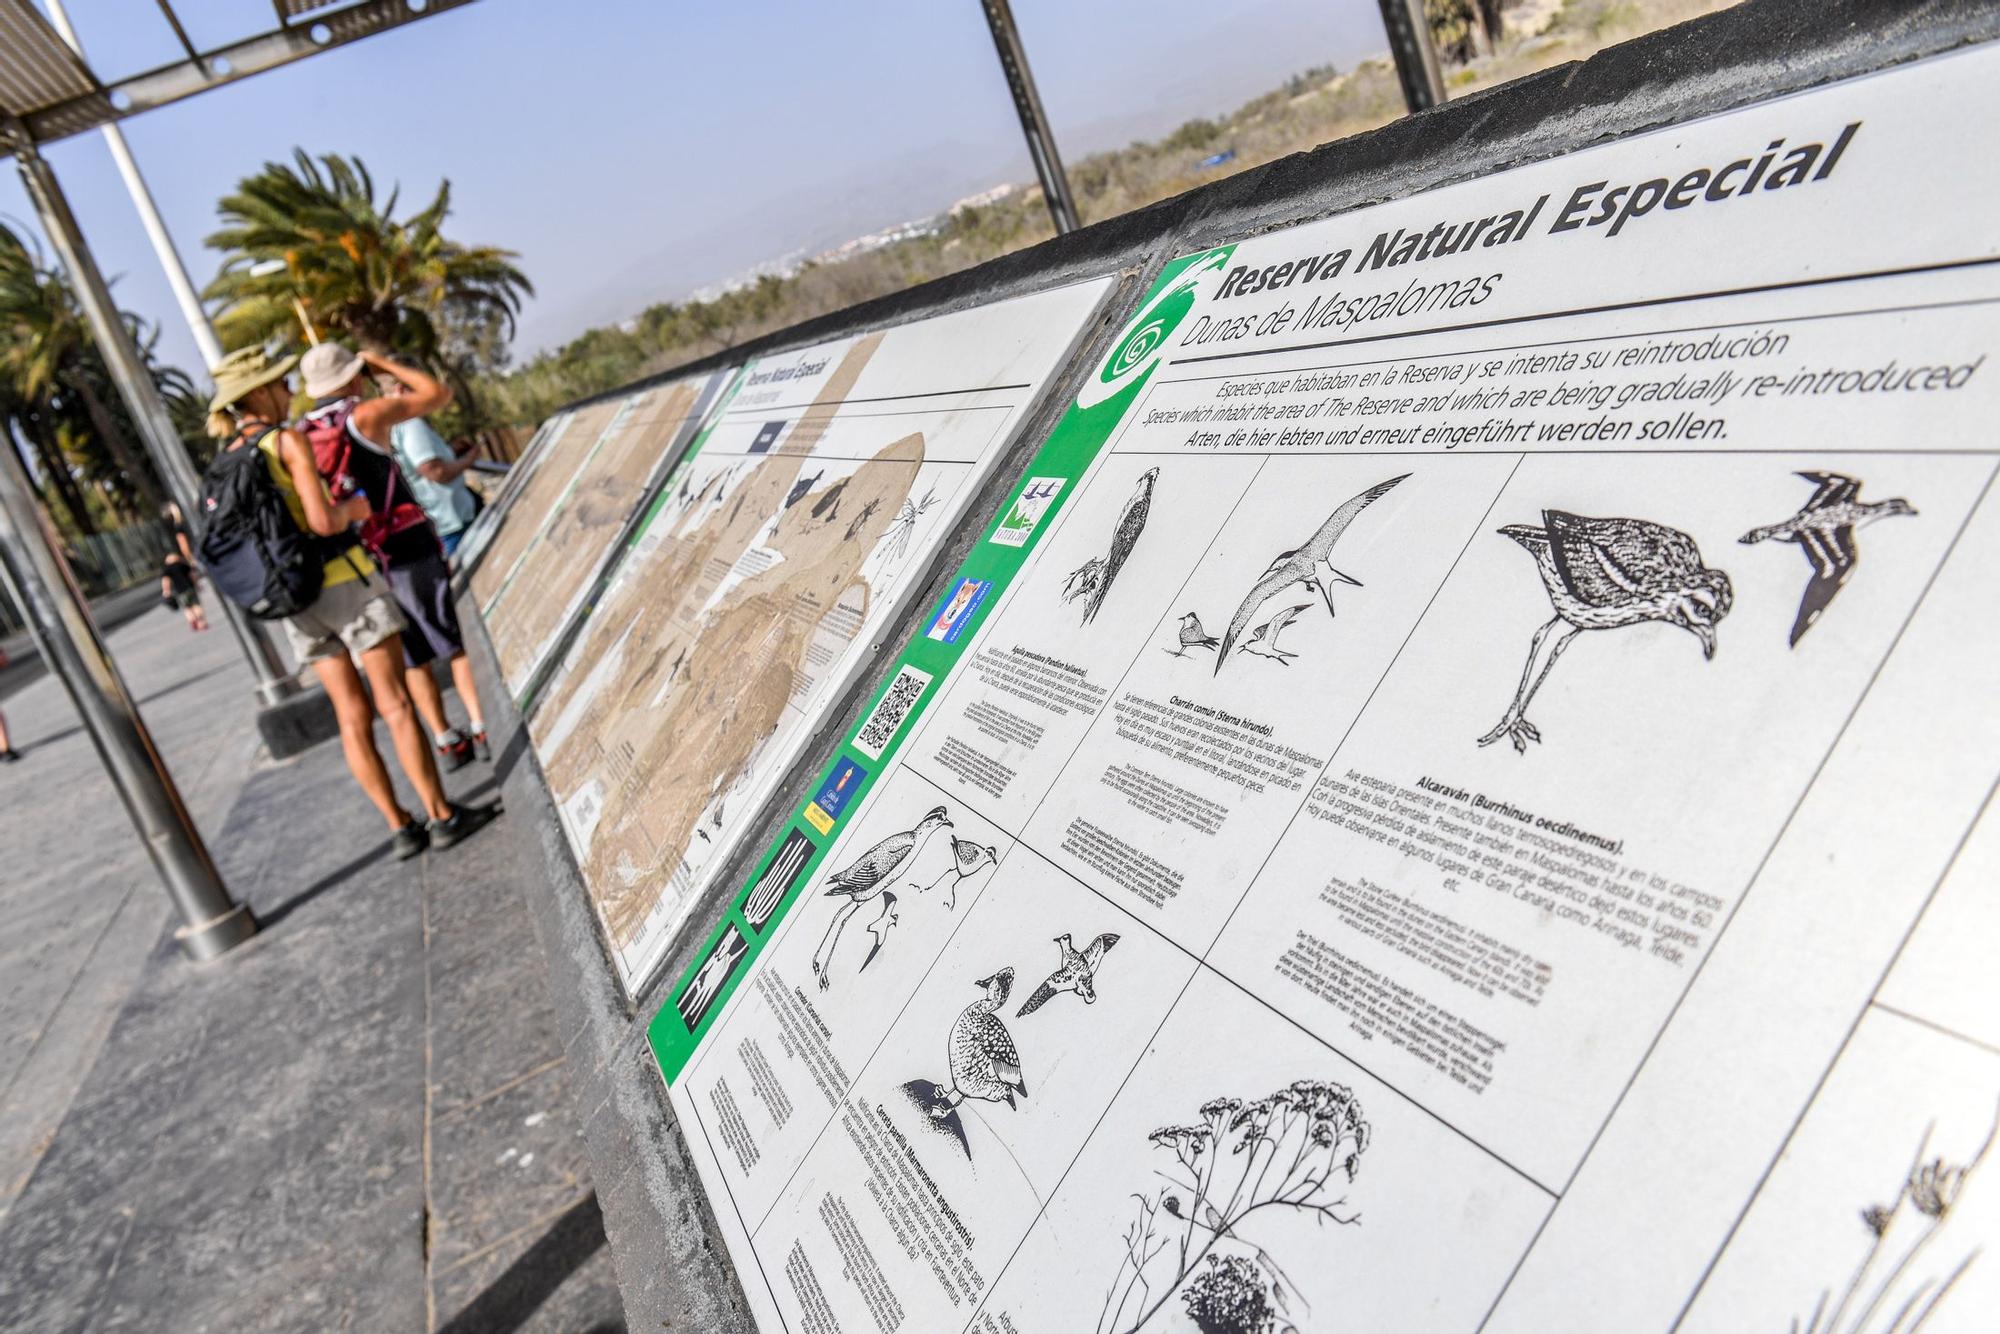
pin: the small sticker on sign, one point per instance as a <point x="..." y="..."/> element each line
<point x="958" y="609"/>
<point x="1027" y="511"/>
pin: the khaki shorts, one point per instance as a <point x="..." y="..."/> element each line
<point x="348" y="618"/>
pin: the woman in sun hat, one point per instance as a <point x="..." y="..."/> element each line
<point x="354" y="618"/>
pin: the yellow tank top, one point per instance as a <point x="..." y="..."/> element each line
<point x="351" y="564"/>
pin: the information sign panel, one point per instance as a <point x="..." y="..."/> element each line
<point x="783" y="547"/>
<point x="530" y="606"/>
<point x="1450" y="798"/>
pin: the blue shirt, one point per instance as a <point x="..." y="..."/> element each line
<point x="450" y="504"/>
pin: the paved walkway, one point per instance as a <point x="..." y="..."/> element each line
<point x="357" y="1121"/>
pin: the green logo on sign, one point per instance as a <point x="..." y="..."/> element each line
<point x="1146" y="337"/>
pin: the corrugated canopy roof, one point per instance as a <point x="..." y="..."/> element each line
<point x="37" y="69"/>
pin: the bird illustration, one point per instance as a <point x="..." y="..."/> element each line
<point x="865" y="880"/>
<point x="1077" y="972"/>
<point x="1092" y="580"/>
<point x="827" y="508"/>
<point x="984" y="1062"/>
<point x="1301" y="565"/>
<point x="967" y="859"/>
<point x="1824" y="529"/>
<point x="1604" y="573"/>
<point x="802" y="488"/>
<point x="879" y="928"/>
<point x="1263" y="640"/>
<point x="1192" y="636"/>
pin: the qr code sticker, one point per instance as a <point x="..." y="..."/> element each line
<point x="890" y="710"/>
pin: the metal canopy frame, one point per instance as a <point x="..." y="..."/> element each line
<point x="50" y="93"/>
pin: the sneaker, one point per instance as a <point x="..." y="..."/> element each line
<point x="479" y="747"/>
<point x="9" y="756"/>
<point x="410" y="840"/>
<point x="463" y="822"/>
<point x="454" y="755"/>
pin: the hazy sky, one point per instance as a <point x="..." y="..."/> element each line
<point x="635" y="150"/>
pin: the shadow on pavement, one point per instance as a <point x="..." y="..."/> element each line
<point x="523" y="1286"/>
<point x="340" y="874"/>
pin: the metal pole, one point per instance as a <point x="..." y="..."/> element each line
<point x="192" y="310"/>
<point x="59" y="619"/>
<point x="1416" y="59"/>
<point x="1034" y="121"/>
<point x="136" y="388"/>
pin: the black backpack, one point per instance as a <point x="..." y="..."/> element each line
<point x="254" y="552"/>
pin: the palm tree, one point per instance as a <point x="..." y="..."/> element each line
<point x="388" y="285"/>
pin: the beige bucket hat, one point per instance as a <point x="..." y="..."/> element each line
<point x="328" y="368"/>
<point x="243" y="370"/>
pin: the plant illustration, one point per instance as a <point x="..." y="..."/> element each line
<point x="1292" y="1151"/>
<point x="1890" y="1292"/>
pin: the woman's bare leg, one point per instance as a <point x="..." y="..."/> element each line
<point x="357" y="735"/>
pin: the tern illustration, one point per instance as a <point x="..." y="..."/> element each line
<point x="1092" y="580"/>
<point x="1302" y="565"/>
<point x="1192" y="636"/>
<point x="1602" y="574"/>
<point x="1263" y="640"/>
<point x="1824" y="530"/>
<point x="967" y="859"/>
<point x="866" y="880"/>
<point x="1078" y="973"/>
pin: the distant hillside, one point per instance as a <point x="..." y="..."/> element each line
<point x="1312" y="108"/>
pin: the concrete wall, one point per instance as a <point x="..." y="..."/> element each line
<point x="671" y="1268"/>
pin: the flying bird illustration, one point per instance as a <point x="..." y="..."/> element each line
<point x="967" y="859"/>
<point x="827" y="508"/>
<point x="1824" y="530"/>
<point x="1263" y="640"/>
<point x="1192" y="636"/>
<point x="1602" y="574"/>
<point x="1301" y="565"/>
<point x="879" y="928"/>
<point x="1092" y="580"/>
<point x="1078" y="973"/>
<point x="802" y="488"/>
<point x="866" y="880"/>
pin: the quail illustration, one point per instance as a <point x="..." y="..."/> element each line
<point x="1602" y="574"/>
<point x="967" y="859"/>
<point x="866" y="880"/>
<point x="1824" y="530"/>
<point x="1192" y="636"/>
<point x="1092" y="580"/>
<point x="1263" y="640"/>
<point x="1078" y="973"/>
<point x="1301" y="565"/>
<point x="984" y="1062"/>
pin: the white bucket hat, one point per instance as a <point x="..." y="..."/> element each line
<point x="328" y="368"/>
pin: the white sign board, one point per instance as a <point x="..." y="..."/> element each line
<point x="771" y="562"/>
<point x="1460" y="804"/>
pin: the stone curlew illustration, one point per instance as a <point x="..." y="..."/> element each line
<point x="1602" y="574"/>
<point x="865" y="881"/>
<point x="967" y="859"/>
<point x="1192" y="636"/>
<point x="1092" y="580"/>
<point x="1077" y="972"/>
<point x="1301" y="565"/>
<point x="1263" y="640"/>
<point x="1824" y="530"/>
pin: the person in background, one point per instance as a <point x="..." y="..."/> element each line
<point x="349" y="434"/>
<point x="177" y="590"/>
<point x="354" y="620"/>
<point x="435" y="469"/>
